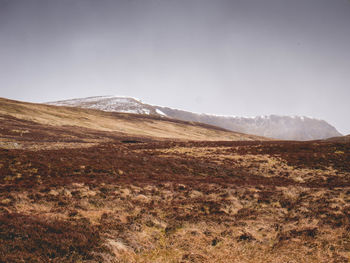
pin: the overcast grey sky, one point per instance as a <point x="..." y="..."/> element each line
<point x="230" y="57"/>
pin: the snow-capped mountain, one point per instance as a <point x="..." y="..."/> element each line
<point x="109" y="103"/>
<point x="272" y="126"/>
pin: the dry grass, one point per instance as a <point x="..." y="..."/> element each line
<point x="138" y="235"/>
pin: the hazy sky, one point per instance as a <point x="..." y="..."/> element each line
<point x="231" y="57"/>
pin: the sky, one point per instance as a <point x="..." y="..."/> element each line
<point x="227" y="57"/>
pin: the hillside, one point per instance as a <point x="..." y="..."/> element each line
<point x="345" y="138"/>
<point x="48" y="123"/>
<point x="273" y="126"/>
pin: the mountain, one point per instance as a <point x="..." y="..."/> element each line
<point x="109" y="103"/>
<point x="273" y="126"/>
<point x="31" y="124"/>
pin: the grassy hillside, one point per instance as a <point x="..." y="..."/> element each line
<point x="67" y="123"/>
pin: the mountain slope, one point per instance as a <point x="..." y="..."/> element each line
<point x="40" y="122"/>
<point x="343" y="139"/>
<point x="273" y="126"/>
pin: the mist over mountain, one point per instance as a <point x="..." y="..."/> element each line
<point x="273" y="126"/>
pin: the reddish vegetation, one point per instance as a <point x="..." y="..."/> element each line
<point x="62" y="166"/>
<point x="155" y="167"/>
<point x="30" y="238"/>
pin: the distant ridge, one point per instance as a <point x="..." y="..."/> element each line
<point x="273" y="126"/>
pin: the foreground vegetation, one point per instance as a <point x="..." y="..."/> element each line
<point x="148" y="201"/>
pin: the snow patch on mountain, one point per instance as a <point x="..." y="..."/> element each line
<point x="160" y="112"/>
<point x="108" y="103"/>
